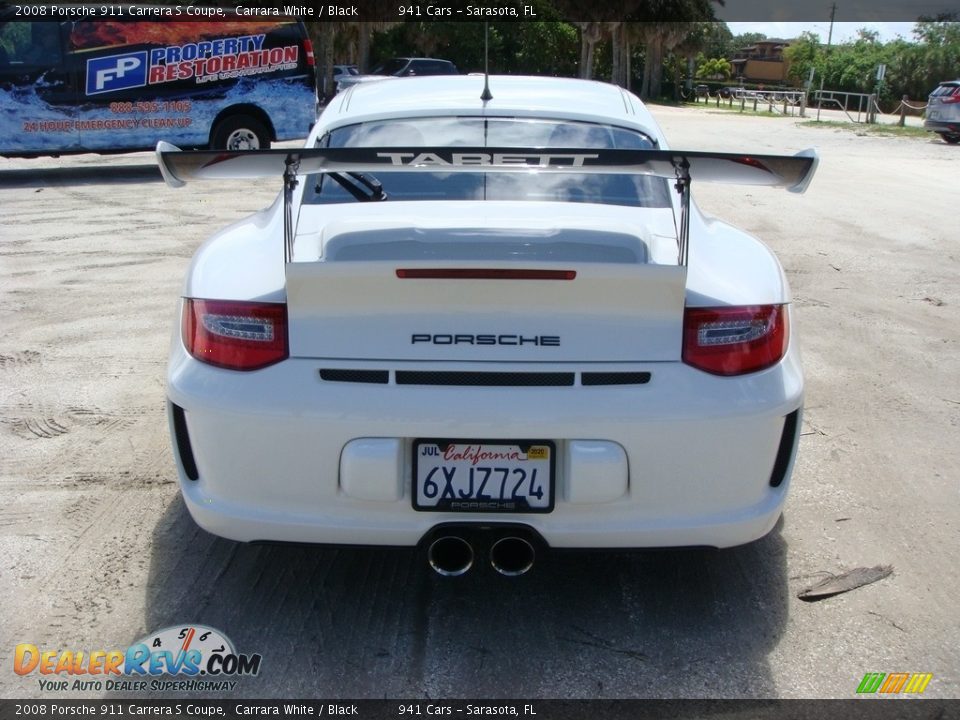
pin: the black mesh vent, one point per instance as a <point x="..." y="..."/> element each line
<point x="485" y="379"/>
<point x="381" y="377"/>
<point x="183" y="443"/>
<point x="785" y="451"/>
<point x="615" y="378"/>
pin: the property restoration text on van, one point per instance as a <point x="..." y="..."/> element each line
<point x="103" y="86"/>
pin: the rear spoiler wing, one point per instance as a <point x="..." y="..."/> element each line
<point x="792" y="172"/>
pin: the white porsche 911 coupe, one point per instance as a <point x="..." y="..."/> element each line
<point x="487" y="321"/>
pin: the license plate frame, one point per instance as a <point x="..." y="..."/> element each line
<point x="481" y="502"/>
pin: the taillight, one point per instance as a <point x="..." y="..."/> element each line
<point x="950" y="100"/>
<point x="734" y="340"/>
<point x="235" y="335"/>
<point x="308" y="52"/>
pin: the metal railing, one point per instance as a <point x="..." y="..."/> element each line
<point x="838" y="100"/>
<point x="867" y="107"/>
<point x="785" y="102"/>
<point x="790" y="102"/>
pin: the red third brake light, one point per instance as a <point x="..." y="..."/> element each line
<point x="734" y="340"/>
<point x="235" y="335"/>
<point x="483" y="274"/>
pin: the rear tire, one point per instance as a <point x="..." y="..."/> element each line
<point x="951" y="139"/>
<point x="240" y="132"/>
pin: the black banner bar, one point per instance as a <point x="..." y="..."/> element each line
<point x="426" y="11"/>
<point x="855" y="709"/>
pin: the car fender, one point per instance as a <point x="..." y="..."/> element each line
<point x="731" y="267"/>
<point x="243" y="261"/>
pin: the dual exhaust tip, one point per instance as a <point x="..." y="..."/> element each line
<point x="452" y="555"/>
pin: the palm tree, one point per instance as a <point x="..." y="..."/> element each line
<point x="590" y="34"/>
<point x="688" y="48"/>
<point x="660" y="25"/>
<point x="323" y="35"/>
<point x="349" y="41"/>
<point x="672" y="26"/>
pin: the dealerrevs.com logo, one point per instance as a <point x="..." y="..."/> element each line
<point x="201" y="657"/>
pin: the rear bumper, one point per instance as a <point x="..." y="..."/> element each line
<point x="276" y="453"/>
<point x="939" y="126"/>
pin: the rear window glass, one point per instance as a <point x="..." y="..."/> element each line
<point x="613" y="189"/>
<point x="432" y="67"/>
<point x="389" y="67"/>
<point x="946" y="90"/>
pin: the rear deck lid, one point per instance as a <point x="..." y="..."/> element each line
<point x="506" y="291"/>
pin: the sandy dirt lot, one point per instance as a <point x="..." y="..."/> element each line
<point x="96" y="548"/>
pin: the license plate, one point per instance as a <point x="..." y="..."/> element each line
<point x="483" y="476"/>
<point x="933" y="115"/>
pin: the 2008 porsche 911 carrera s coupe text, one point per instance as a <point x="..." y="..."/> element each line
<point x="487" y="325"/>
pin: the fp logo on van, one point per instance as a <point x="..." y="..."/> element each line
<point x="116" y="72"/>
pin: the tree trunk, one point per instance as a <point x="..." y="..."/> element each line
<point x="584" y="54"/>
<point x="590" y="34"/>
<point x="363" y="46"/>
<point x="629" y="72"/>
<point x="655" y="63"/>
<point x="616" y="54"/>
<point x="645" y="80"/>
<point x="322" y="36"/>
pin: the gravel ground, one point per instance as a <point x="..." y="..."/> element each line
<point x="97" y="550"/>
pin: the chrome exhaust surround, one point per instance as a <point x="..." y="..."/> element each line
<point x="452" y="548"/>
<point x="450" y="555"/>
<point x="512" y="556"/>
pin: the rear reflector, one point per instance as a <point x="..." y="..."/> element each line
<point x="235" y="335"/>
<point x="483" y="274"/>
<point x="734" y="340"/>
<point x="308" y="52"/>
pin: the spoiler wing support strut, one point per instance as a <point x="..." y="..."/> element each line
<point x="682" y="186"/>
<point x="290" y="182"/>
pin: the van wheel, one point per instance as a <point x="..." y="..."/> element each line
<point x="240" y="132"/>
<point x="952" y="139"/>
